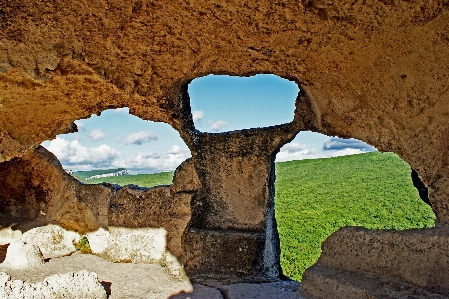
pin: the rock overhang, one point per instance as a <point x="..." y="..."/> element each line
<point x="375" y="71"/>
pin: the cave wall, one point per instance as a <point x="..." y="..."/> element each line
<point x="36" y="191"/>
<point x="373" y="70"/>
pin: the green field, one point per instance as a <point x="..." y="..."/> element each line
<point x="316" y="197"/>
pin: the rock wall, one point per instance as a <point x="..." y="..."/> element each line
<point x="373" y="70"/>
<point x="361" y="263"/>
<point x="42" y="193"/>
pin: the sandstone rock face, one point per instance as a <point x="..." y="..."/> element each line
<point x="77" y="285"/>
<point x="42" y="192"/>
<point x="135" y="245"/>
<point x="21" y="255"/>
<point x="232" y="231"/>
<point x="354" y="260"/>
<point x="156" y="207"/>
<point x="373" y="70"/>
<point x="377" y="71"/>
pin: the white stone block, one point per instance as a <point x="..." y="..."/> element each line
<point x="53" y="240"/>
<point x="136" y="245"/>
<point x="20" y="255"/>
<point x="98" y="240"/>
<point x="75" y="285"/>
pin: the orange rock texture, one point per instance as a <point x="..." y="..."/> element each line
<point x="373" y="70"/>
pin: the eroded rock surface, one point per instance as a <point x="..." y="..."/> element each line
<point x="43" y="193"/>
<point x="78" y="285"/>
<point x="376" y="71"/>
<point x="373" y="70"/>
<point x="358" y="263"/>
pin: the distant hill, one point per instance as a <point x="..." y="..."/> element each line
<point x="142" y="180"/>
<point x="82" y="175"/>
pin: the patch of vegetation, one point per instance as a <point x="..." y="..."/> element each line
<point x="314" y="198"/>
<point x="142" y="180"/>
<point x="83" y="246"/>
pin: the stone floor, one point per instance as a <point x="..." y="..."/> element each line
<point x="151" y="281"/>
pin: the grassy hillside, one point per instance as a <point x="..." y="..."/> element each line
<point x="143" y="180"/>
<point x="316" y="197"/>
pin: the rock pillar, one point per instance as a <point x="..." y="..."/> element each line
<point x="232" y="233"/>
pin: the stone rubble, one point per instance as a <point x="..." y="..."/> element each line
<point x="53" y="240"/>
<point x="75" y="285"/>
<point x="21" y="255"/>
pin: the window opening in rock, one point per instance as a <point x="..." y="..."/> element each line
<point x="117" y="147"/>
<point x="222" y="103"/>
<point x="318" y="195"/>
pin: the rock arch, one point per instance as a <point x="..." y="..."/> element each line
<point x="373" y="70"/>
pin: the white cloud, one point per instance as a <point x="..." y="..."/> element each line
<point x="217" y="126"/>
<point x="140" y="137"/>
<point x="72" y="153"/>
<point x="156" y="162"/>
<point x="296" y="151"/>
<point x="175" y="150"/>
<point x="197" y="115"/>
<point x="96" y="134"/>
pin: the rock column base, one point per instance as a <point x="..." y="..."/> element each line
<point x="233" y="256"/>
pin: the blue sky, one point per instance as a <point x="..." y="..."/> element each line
<point x="219" y="104"/>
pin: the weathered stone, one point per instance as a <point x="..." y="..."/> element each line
<point x="236" y="171"/>
<point x="77" y="285"/>
<point x="173" y="265"/>
<point x="274" y="290"/>
<point x="415" y="257"/>
<point x="185" y="178"/>
<point x="324" y="282"/>
<point x="375" y="71"/>
<point x="136" y="245"/>
<point x="42" y="193"/>
<point x="199" y="292"/>
<point x="98" y="240"/>
<point x="154" y="207"/>
<point x="120" y="280"/>
<point x="224" y="255"/>
<point x="20" y="255"/>
<point x="3" y="250"/>
<point x="52" y="240"/>
<point x="394" y="102"/>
